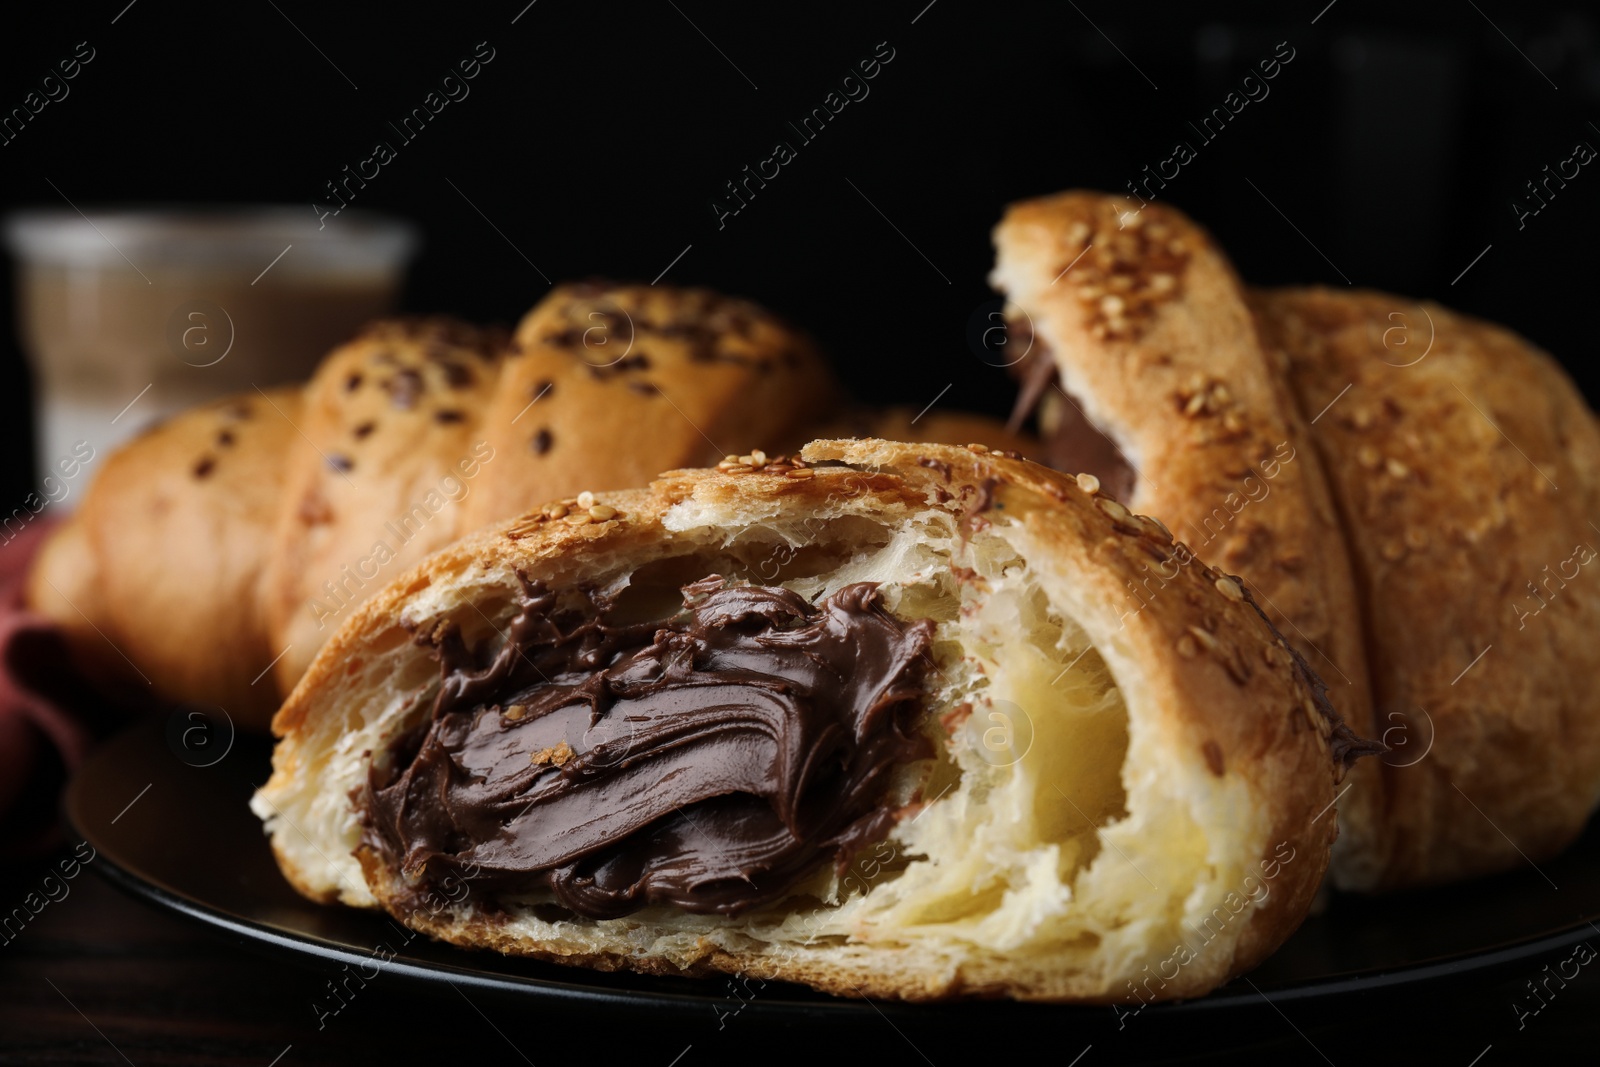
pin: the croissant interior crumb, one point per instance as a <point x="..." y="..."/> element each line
<point x="1029" y="725"/>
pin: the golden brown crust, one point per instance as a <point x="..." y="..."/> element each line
<point x="608" y="384"/>
<point x="1210" y="686"/>
<point x="169" y="546"/>
<point x="411" y="434"/>
<point x="377" y="475"/>
<point x="1155" y="343"/>
<point x="1468" y="472"/>
<point x="938" y="426"/>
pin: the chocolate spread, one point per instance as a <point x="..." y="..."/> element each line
<point x="708" y="761"/>
<point x="1074" y="444"/>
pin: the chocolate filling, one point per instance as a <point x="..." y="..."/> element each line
<point x="708" y="761"/>
<point x="1073" y="444"/>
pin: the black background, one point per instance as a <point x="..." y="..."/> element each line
<point x="598" y="137"/>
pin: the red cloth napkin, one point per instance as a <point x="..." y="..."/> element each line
<point x="44" y="728"/>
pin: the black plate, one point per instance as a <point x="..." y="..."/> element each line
<point x="182" y="837"/>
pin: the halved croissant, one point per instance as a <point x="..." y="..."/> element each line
<point x="885" y="720"/>
<point x="1409" y="492"/>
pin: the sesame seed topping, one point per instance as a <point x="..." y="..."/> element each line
<point x="1089" y="484"/>
<point x="1229" y="588"/>
<point x="1187" y="648"/>
<point x="1112" y="508"/>
<point x="556" y="511"/>
<point x="602" y="512"/>
<point x="980" y="449"/>
<point x="758" y="458"/>
<point x="1205" y="638"/>
<point x="800" y="472"/>
<point x="586" y="499"/>
<point x="1397" y="469"/>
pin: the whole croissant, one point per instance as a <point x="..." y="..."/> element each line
<point x="216" y="553"/>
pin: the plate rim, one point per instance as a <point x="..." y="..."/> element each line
<point x="306" y="948"/>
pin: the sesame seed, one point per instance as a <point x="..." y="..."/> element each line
<point x="800" y="472"/>
<point x="1187" y="648"/>
<point x="1205" y="638"/>
<point x="1112" y="508"/>
<point x="1229" y="588"/>
<point x="556" y="511"/>
<point x="586" y="499"/>
<point x="758" y="458"/>
<point x="602" y="512"/>
<point x="980" y="449"/>
<point x="1397" y="469"/>
<point x="1369" y="457"/>
<point x="1089" y="484"/>
<point x="1112" y="304"/>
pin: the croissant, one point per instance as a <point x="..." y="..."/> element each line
<point x="218" y="551"/>
<point x="877" y="719"/>
<point x="1407" y="492"/>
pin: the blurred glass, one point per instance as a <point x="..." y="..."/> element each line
<point x="131" y="315"/>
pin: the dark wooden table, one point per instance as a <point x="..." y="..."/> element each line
<point x="97" y="977"/>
